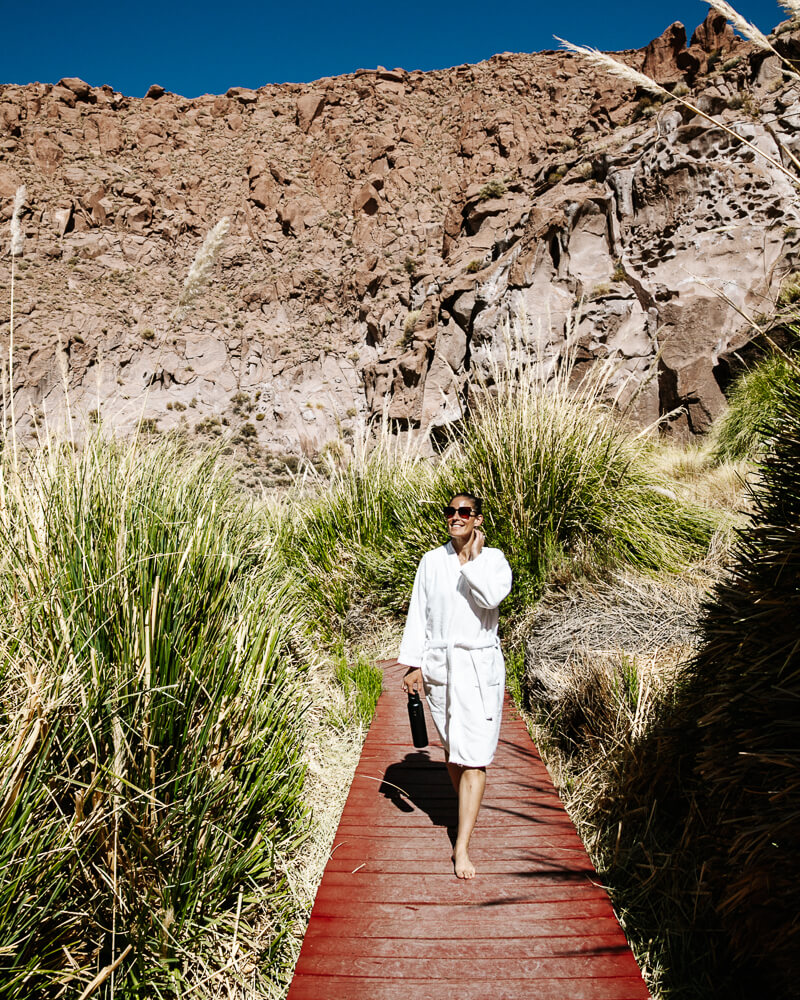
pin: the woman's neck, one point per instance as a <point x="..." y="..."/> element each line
<point x="460" y="545"/>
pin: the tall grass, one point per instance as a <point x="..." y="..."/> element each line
<point x="688" y="794"/>
<point x="603" y="669"/>
<point x="567" y="482"/>
<point x="149" y="738"/>
<point x="743" y="705"/>
<point x="755" y="399"/>
<point x="566" y="488"/>
<point x="357" y="537"/>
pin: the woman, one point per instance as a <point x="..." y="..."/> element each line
<point x="450" y="647"/>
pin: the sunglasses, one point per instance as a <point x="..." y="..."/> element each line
<point x="464" y="512"/>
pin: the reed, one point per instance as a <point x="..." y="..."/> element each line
<point x="567" y="483"/>
<point x="742" y="704"/>
<point x="150" y="746"/>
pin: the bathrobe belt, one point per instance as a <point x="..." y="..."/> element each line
<point x="469" y="647"/>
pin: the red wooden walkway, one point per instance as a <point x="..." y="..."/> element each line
<point x="392" y="922"/>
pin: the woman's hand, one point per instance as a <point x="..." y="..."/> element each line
<point x="476" y="545"/>
<point x="412" y="680"/>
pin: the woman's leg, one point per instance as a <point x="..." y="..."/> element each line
<point x="469" y="783"/>
<point x="454" y="770"/>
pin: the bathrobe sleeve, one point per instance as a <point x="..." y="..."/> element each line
<point x="413" y="644"/>
<point x="488" y="578"/>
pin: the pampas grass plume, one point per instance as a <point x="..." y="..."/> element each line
<point x="203" y="264"/>
<point x="792" y="7"/>
<point x="17" y="237"/>
<point x="611" y="65"/>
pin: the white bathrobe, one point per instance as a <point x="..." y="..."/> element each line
<point x="451" y="633"/>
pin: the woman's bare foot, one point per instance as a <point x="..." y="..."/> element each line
<point x="464" y="868"/>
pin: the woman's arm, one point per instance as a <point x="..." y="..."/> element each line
<point x="488" y="576"/>
<point x="412" y="646"/>
<point x="413" y="642"/>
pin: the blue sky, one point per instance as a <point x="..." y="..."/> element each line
<point x="203" y="47"/>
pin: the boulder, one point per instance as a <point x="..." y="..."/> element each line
<point x="664" y="58"/>
<point x="79" y="88"/>
<point x="263" y="191"/>
<point x="47" y="154"/>
<point x="243" y="95"/>
<point x="715" y="34"/>
<point x="64" y="95"/>
<point x="367" y="200"/>
<point x="63" y="219"/>
<point x="9" y="182"/>
<point x="308" y="108"/>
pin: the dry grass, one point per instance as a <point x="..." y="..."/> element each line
<point x="153" y="778"/>
<point x="597" y="653"/>
<point x="698" y="478"/>
<point x="332" y="754"/>
<point x="602" y="662"/>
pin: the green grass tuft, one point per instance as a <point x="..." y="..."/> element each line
<point x="150" y="747"/>
<point x="742" y="430"/>
<point x="362" y="681"/>
<point x="565" y="487"/>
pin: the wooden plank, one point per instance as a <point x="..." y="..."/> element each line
<point x="509" y="915"/>
<point x="308" y="987"/>
<point x="426" y="849"/>
<point x="455" y="922"/>
<point x="574" y="966"/>
<point x="396" y="794"/>
<point x="533" y="840"/>
<point x="467" y="949"/>
<point x="459" y="926"/>
<point x="441" y="865"/>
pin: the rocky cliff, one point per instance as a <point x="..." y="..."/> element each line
<point x="387" y="229"/>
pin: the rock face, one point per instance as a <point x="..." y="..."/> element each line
<point x="388" y="230"/>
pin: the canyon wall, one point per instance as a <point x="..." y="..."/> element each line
<point x="391" y="233"/>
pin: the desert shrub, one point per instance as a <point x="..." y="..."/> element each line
<point x="149" y="736"/>
<point x="247" y="432"/>
<point x="241" y="403"/>
<point x="491" y="189"/>
<point x="594" y="657"/>
<point x="741" y="431"/>
<point x="148" y="426"/>
<point x="409" y="325"/>
<point x="790" y="290"/>
<point x="744" y="699"/>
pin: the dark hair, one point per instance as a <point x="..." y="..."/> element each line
<point x="477" y="503"/>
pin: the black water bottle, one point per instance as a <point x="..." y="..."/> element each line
<point x="416" y="716"/>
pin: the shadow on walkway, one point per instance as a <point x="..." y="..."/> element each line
<point x="417" y="782"/>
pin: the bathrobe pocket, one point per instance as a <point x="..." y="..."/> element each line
<point x="434" y="677"/>
<point x="490" y="665"/>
